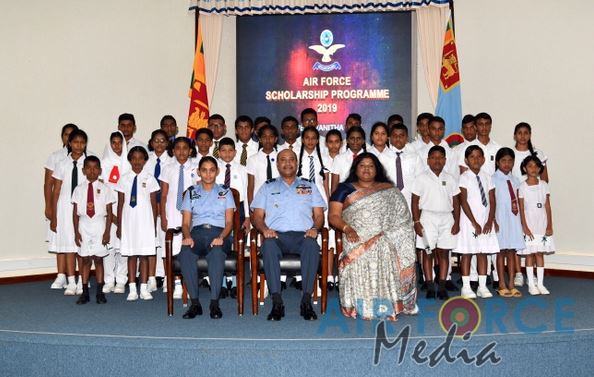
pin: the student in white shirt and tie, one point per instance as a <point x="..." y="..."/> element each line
<point x="290" y="132"/>
<point x="246" y="146"/>
<point x="422" y="138"/>
<point x="216" y="123"/>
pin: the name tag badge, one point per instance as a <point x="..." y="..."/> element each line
<point x="143" y="184"/>
<point x="492" y="158"/>
<point x="538" y="205"/>
<point x="443" y="183"/>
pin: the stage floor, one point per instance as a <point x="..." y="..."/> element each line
<point x="42" y="331"/>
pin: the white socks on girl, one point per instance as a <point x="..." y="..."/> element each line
<point x="538" y="288"/>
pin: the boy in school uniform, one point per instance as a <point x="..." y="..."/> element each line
<point x="468" y="130"/>
<point x="127" y="126"/>
<point x="436" y="214"/>
<point x="408" y="164"/>
<point x="169" y="125"/>
<point x="290" y="133"/>
<point x="422" y="139"/>
<point x="92" y="218"/>
<point x="216" y="123"/>
<point x="246" y="146"/>
<point x="233" y="175"/>
<point x="203" y="143"/>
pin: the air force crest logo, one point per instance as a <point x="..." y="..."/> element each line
<point x="326" y="49"/>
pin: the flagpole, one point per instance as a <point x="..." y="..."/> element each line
<point x="451" y="4"/>
<point x="196" y="19"/>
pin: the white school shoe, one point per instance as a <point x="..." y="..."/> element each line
<point x="543" y="290"/>
<point x="533" y="290"/>
<point x="120" y="289"/>
<point x="108" y="288"/>
<point x="132" y="296"/>
<point x="483" y="292"/>
<point x="71" y="290"/>
<point x="467" y="292"/>
<point x="145" y="294"/>
<point x="60" y="282"/>
<point x="178" y="292"/>
<point x="519" y="280"/>
<point x="79" y="289"/>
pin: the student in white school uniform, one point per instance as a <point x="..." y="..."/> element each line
<point x="115" y="164"/>
<point x="127" y="126"/>
<point x="468" y="130"/>
<point x="67" y="176"/>
<point x="203" y="143"/>
<point x="309" y="118"/>
<point x="333" y="146"/>
<point x="216" y="123"/>
<point x="50" y="166"/>
<point x="169" y="125"/>
<point x="246" y="146"/>
<point x="422" y="138"/>
<point x="341" y="166"/>
<point x="175" y="178"/>
<point x="234" y="175"/>
<point x="477" y="231"/>
<point x="159" y="157"/>
<point x="537" y="223"/>
<point x="524" y="148"/>
<point x="290" y="134"/>
<point x="92" y="211"/>
<point x="436" y="215"/>
<point x="436" y="131"/>
<point x="352" y="120"/>
<point x="380" y="147"/>
<point x="261" y="166"/>
<point x="137" y="216"/>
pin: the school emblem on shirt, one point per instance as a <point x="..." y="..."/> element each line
<point x="143" y="184"/>
<point x="98" y="191"/>
<point x="538" y="205"/>
<point x="303" y="190"/>
<point x="443" y="183"/>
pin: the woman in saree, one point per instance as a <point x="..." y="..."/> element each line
<point x="377" y="265"/>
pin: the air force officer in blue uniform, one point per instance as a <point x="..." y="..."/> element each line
<point x="289" y="212"/>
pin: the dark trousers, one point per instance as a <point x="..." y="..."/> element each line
<point x="290" y="243"/>
<point x="215" y="256"/>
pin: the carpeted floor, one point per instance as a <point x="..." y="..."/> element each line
<point x="45" y="333"/>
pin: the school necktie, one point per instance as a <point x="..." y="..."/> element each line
<point x="268" y="168"/>
<point x="243" y="158"/>
<point x="512" y="194"/>
<point x="399" y="180"/>
<point x="215" y="151"/>
<point x="312" y="170"/>
<point x="157" y="174"/>
<point x="133" y="194"/>
<point x="290" y="147"/>
<point x="90" y="201"/>
<point x="180" y="188"/>
<point x="74" y="181"/>
<point x="354" y="156"/>
<point x="228" y="175"/>
<point x="483" y="196"/>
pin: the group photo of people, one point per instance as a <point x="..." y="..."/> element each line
<point x="405" y="206"/>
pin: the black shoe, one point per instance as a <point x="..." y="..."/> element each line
<point x="442" y="294"/>
<point x="224" y="293"/>
<point x="307" y="312"/>
<point x="100" y="297"/>
<point x="489" y="280"/>
<point x="330" y="286"/>
<point x="337" y="286"/>
<point x="229" y="284"/>
<point x="215" y="311"/>
<point x="450" y="286"/>
<point x="430" y="293"/>
<point x="204" y="284"/>
<point x="496" y="285"/>
<point x="424" y="286"/>
<point x="159" y="282"/>
<point x="474" y="285"/>
<point x="233" y="292"/>
<point x="277" y="312"/>
<point x="193" y="311"/>
<point x="298" y="285"/>
<point x="283" y="285"/>
<point x="82" y="299"/>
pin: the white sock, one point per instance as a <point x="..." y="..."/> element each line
<point x="466" y="282"/>
<point x="71" y="280"/>
<point x="207" y="279"/>
<point x="61" y="276"/>
<point x="298" y="278"/>
<point x="143" y="287"/>
<point x="482" y="281"/>
<point x="283" y="278"/>
<point x="540" y="275"/>
<point x="177" y="281"/>
<point x="132" y="287"/>
<point x="530" y="276"/>
<point x="519" y="275"/>
<point x="152" y="279"/>
<point x="331" y="278"/>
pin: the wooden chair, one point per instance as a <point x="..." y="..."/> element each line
<point x="234" y="263"/>
<point x="290" y="264"/>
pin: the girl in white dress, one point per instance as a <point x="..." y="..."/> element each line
<point x="137" y="216"/>
<point x="477" y="233"/>
<point x="341" y="166"/>
<point x="67" y="176"/>
<point x="537" y="223"/>
<point x="333" y="145"/>
<point x="48" y="188"/>
<point x="381" y="148"/>
<point x="524" y="148"/>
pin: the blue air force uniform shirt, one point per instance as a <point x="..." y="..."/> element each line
<point x="208" y="207"/>
<point x="288" y="208"/>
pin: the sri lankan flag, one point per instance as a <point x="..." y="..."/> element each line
<point x="198" y="114"/>
<point x="449" y="103"/>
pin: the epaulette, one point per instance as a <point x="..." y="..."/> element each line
<point x="305" y="179"/>
<point x="271" y="180"/>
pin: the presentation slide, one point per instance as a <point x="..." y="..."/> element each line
<point x="336" y="64"/>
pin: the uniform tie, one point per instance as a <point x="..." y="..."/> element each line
<point x="74" y="181"/>
<point x="157" y="174"/>
<point x="354" y="156"/>
<point x="399" y="179"/>
<point x="512" y="194"/>
<point x="215" y="151"/>
<point x="180" y="188"/>
<point x="90" y="201"/>
<point x="243" y="157"/>
<point x="268" y="168"/>
<point x="483" y="196"/>
<point x="228" y="175"/>
<point x="312" y="169"/>
<point x="133" y="194"/>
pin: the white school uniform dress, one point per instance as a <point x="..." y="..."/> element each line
<point x="490" y="151"/>
<point x="450" y="166"/>
<point x="412" y="165"/>
<point x="418" y="144"/>
<point x="256" y="166"/>
<point x="342" y="164"/>
<point x="535" y="213"/>
<point x="436" y="198"/>
<point x="510" y="235"/>
<point x="387" y="157"/>
<point x="468" y="241"/>
<point x="170" y="175"/>
<point x="238" y="181"/>
<point x="138" y="228"/>
<point x="520" y="156"/>
<point x="133" y="142"/>
<point x="62" y="241"/>
<point x="91" y="229"/>
<point x="458" y="155"/>
<point x="252" y="149"/>
<point x="51" y="164"/>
